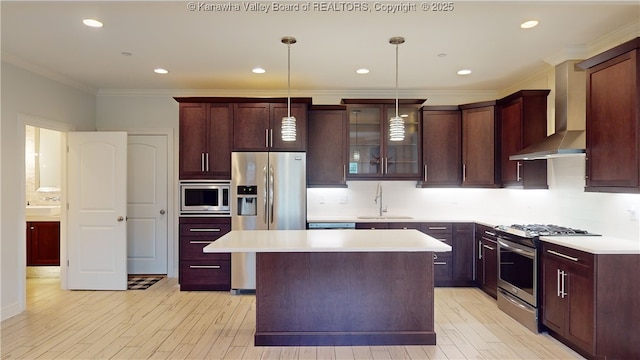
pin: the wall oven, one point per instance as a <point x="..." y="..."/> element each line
<point x="205" y="198"/>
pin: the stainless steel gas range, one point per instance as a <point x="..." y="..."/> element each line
<point x="518" y="264"/>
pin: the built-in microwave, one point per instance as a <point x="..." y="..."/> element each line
<point x="205" y="198"/>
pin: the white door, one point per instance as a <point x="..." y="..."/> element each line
<point x="147" y="204"/>
<point x="97" y="193"/>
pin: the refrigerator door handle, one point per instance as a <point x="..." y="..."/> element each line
<point x="271" y="189"/>
<point x="264" y="178"/>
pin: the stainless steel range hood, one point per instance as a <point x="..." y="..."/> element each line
<point x="570" y="108"/>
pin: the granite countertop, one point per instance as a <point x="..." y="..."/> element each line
<point x="326" y="241"/>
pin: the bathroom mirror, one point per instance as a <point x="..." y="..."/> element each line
<point x="48" y="160"/>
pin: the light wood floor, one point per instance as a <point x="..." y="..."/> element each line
<point x="164" y="323"/>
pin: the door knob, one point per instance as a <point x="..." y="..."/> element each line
<point x="162" y="212"/>
<point x="120" y="218"/>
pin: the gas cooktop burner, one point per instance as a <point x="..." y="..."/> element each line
<point x="533" y="230"/>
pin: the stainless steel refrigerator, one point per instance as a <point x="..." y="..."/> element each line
<point x="269" y="192"/>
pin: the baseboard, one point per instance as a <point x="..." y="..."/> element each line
<point x="11" y="311"/>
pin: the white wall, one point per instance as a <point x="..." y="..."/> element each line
<point x="24" y="93"/>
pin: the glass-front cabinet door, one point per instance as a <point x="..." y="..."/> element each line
<point x="372" y="155"/>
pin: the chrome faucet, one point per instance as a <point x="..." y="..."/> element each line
<point x="378" y="198"/>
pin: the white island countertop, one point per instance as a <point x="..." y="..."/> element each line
<point x="387" y="240"/>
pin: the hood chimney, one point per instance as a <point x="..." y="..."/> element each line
<point x="569" y="138"/>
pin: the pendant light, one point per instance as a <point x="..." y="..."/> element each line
<point x="288" y="130"/>
<point x="396" y="123"/>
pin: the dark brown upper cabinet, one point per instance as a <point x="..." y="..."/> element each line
<point x="441" y="146"/>
<point x="327" y="146"/>
<point x="257" y="125"/>
<point x="371" y="153"/>
<point x="613" y="120"/>
<point x="205" y="140"/>
<point x="523" y="121"/>
<point x="480" y="155"/>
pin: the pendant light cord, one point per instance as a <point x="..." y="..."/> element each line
<point x="289" y="80"/>
<point x="396" y="80"/>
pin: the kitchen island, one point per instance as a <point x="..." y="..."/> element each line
<point x="340" y="287"/>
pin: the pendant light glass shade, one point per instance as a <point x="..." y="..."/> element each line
<point x="288" y="129"/>
<point x="396" y="123"/>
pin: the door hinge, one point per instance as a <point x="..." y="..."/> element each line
<point x="67" y="262"/>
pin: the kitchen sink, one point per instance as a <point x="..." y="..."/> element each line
<point x="385" y="217"/>
<point x="42" y="210"/>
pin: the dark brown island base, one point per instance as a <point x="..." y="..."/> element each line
<point x="340" y="287"/>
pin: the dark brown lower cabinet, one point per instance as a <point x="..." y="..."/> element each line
<point x="43" y="243"/>
<point x="454" y="268"/>
<point x="486" y="260"/>
<point x="200" y="271"/>
<point x="590" y="302"/>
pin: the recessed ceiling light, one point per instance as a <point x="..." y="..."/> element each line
<point x="126" y="53"/>
<point x="441" y="55"/>
<point x="362" y="71"/>
<point x="464" y="72"/>
<point x="529" y="24"/>
<point x="161" y="71"/>
<point x="92" y="23"/>
<point x="258" y="70"/>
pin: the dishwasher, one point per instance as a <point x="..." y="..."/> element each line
<point x="331" y="225"/>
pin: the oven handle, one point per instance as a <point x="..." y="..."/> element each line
<point x="517" y="249"/>
<point x="516" y="302"/>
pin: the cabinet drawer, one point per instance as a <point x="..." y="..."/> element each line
<point x="575" y="259"/>
<point x="372" y="225"/>
<point x="191" y="249"/>
<point x="445" y="238"/>
<point x="442" y="267"/>
<point x="404" y="225"/>
<point x="205" y="275"/>
<point x="439" y="228"/>
<point x="204" y="231"/>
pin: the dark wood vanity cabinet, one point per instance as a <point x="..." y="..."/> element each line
<point x="480" y="156"/>
<point x="257" y="125"/>
<point x="199" y="270"/>
<point x="43" y="243"/>
<point x="441" y="146"/>
<point x="613" y="120"/>
<point x="523" y="122"/>
<point x="327" y="146"/>
<point x="205" y="140"/>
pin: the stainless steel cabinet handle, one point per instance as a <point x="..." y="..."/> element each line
<point x="205" y="230"/>
<point x="518" y="178"/>
<point x="563" y="293"/>
<point x="202" y="162"/>
<point x="425" y="173"/>
<point x="487" y="247"/>
<point x="479" y="250"/>
<point x="439" y="263"/>
<point x="200" y="242"/>
<point x="563" y="255"/>
<point x="206" y="163"/>
<point x="437" y="228"/>
<point x="204" y="266"/>
<point x="266" y="137"/>
<point x="558" y="283"/>
<point x="270" y="137"/>
<point x="464" y="173"/>
<point x="489" y="233"/>
<point x="271" y="190"/>
<point x="344" y="172"/>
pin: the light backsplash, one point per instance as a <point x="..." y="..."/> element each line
<point x="565" y="203"/>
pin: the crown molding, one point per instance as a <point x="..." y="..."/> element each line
<point x="45" y="72"/>
<point x="599" y="45"/>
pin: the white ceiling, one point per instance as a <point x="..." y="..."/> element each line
<point x="218" y="49"/>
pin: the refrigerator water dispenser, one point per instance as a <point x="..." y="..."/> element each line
<point x="247" y="200"/>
